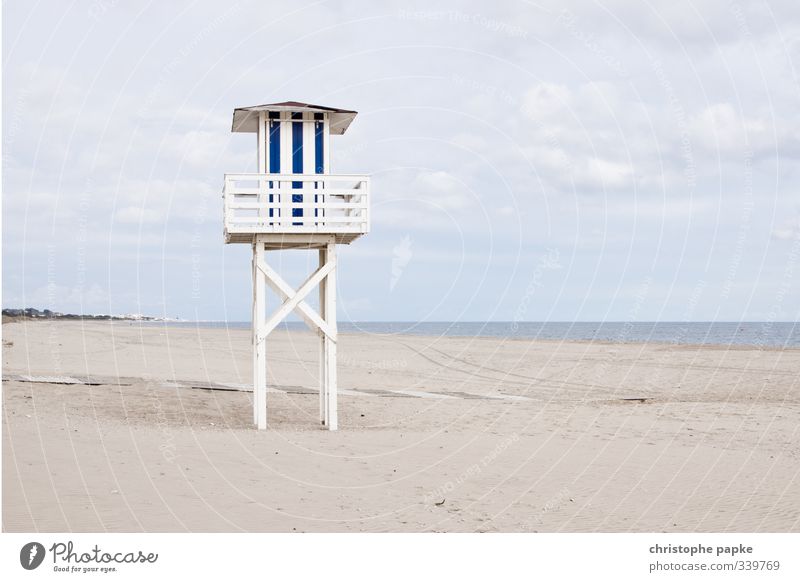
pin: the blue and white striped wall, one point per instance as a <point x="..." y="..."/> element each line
<point x="293" y="143"/>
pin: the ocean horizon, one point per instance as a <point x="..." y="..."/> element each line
<point x="749" y="333"/>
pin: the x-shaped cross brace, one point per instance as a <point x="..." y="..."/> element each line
<point x="295" y="299"/>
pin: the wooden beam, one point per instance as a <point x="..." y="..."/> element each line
<point x="254" y="314"/>
<point x="325" y="321"/>
<point x="311" y="318"/>
<point x="332" y="420"/>
<point x="323" y="360"/>
<point x="263" y="142"/>
<point x="259" y="340"/>
<point x="292" y="302"/>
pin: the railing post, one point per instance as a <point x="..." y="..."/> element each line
<point x="225" y="204"/>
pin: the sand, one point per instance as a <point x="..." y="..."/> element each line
<point x="437" y="434"/>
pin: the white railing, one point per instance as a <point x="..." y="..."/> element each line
<point x="295" y="203"/>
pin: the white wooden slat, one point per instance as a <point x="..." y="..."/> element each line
<point x="326" y="145"/>
<point x="326" y="190"/>
<point x="291" y="303"/>
<point x="309" y="144"/>
<point x="259" y="347"/>
<point x="331" y="408"/>
<point x="296" y="177"/>
<point x="344" y="202"/>
<point x="253" y="230"/>
<point x="332" y="218"/>
<point x="323" y="362"/>
<point x="326" y="205"/>
<point x="289" y="220"/>
<point x="286" y="148"/>
<point x="280" y="286"/>
<point x="255" y="314"/>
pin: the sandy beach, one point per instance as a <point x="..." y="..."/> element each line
<point x="123" y="427"/>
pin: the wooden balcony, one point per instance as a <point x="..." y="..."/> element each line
<point x="298" y="208"/>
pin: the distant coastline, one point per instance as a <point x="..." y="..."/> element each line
<point x="758" y="334"/>
<point x="33" y="313"/>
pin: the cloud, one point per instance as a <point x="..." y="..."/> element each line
<point x="788" y="229"/>
<point x="137" y="215"/>
<point x="442" y="189"/>
<point x="546" y="100"/>
<point x="600" y="137"/>
<point x="195" y="149"/>
<point x="720" y="128"/>
<point x="572" y="129"/>
<point x="504" y="211"/>
<point x="600" y="173"/>
<point x="689" y="24"/>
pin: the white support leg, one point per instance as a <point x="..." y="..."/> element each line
<point x="259" y="340"/>
<point x="323" y="361"/>
<point x="254" y="329"/>
<point x="324" y="322"/>
<point x="331" y="413"/>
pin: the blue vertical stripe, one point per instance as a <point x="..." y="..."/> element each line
<point x="274" y="149"/>
<point x="318" y="151"/>
<point x="297" y="161"/>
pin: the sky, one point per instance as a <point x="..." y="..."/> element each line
<point x="530" y="161"/>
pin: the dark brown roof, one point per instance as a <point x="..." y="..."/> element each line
<point x="245" y="119"/>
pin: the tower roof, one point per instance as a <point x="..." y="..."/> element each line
<point x="245" y="119"/>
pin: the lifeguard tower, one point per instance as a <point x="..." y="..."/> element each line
<point x="294" y="202"/>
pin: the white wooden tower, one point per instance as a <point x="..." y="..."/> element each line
<point x="294" y="202"/>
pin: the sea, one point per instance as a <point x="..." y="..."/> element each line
<point x="758" y="334"/>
